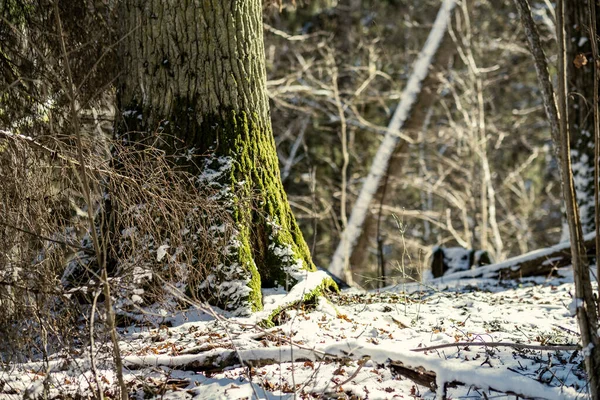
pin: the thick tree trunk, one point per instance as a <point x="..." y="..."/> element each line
<point x="195" y="73"/>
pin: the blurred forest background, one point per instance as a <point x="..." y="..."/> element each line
<point x="475" y="167"/>
<point x="93" y="212"/>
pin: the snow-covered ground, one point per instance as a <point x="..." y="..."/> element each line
<point x="352" y="345"/>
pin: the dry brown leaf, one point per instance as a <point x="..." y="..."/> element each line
<point x="580" y="60"/>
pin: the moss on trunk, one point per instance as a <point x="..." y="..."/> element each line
<point x="195" y="82"/>
<point x="270" y="246"/>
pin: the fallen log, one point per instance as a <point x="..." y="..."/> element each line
<point x="428" y="379"/>
<point x="542" y="262"/>
<point x="430" y="371"/>
<point x="219" y="359"/>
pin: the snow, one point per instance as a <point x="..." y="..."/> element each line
<point x="588" y="350"/>
<point x="136" y="299"/>
<point x="574" y="305"/>
<point x="344" y="346"/>
<point x="457" y="259"/>
<point x="215" y="168"/>
<point x="307" y="284"/>
<point x="583" y="178"/>
<point x="161" y="252"/>
<point x="457" y="370"/>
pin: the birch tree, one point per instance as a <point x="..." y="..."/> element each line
<point x="339" y="263"/>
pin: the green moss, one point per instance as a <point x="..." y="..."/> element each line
<point x="267" y="213"/>
<point x="260" y="210"/>
<point x="326" y="285"/>
<point x="17" y="12"/>
<point x="246" y="260"/>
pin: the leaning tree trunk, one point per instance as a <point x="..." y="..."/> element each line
<point x="339" y="265"/>
<point x="195" y="72"/>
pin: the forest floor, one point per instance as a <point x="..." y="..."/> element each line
<point x="353" y="345"/>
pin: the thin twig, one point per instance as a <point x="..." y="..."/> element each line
<point x="361" y="364"/>
<point x="100" y="394"/>
<point x="501" y="344"/>
<point x="87" y="193"/>
<point x="594" y="44"/>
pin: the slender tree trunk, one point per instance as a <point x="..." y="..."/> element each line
<point x="593" y="30"/>
<point x="587" y="315"/>
<point x="195" y="74"/>
<point x="557" y="111"/>
<point x="558" y="116"/>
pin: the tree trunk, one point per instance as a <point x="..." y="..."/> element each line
<point x="195" y="74"/>
<point x="580" y="86"/>
<point x="587" y="315"/>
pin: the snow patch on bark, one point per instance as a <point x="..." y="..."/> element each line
<point x="307" y="284"/>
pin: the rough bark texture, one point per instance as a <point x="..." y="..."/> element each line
<point x="541" y="67"/>
<point x="573" y="140"/>
<point x="580" y="86"/>
<point x="195" y="77"/>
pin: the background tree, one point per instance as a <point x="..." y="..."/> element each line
<point x="340" y="262"/>
<point x="580" y="81"/>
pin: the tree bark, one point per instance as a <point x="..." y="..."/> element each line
<point x="580" y="86"/>
<point x="195" y="77"/>
<point x="587" y="315"/>
<point x="560" y="116"/>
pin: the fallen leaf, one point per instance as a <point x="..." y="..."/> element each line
<point x="580" y="60"/>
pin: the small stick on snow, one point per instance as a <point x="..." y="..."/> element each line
<point x="501" y="344"/>
<point x="361" y="364"/>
